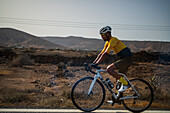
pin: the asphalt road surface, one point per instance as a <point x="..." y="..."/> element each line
<point x="73" y="111"/>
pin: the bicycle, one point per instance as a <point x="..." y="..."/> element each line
<point x="89" y="93"/>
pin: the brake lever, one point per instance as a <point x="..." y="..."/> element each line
<point x="86" y="65"/>
<point x="89" y="69"/>
<point x="86" y="68"/>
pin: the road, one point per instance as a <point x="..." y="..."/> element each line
<point x="71" y="111"/>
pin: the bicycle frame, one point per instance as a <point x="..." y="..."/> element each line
<point x="116" y="97"/>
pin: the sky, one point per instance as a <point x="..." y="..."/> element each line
<point x="144" y="20"/>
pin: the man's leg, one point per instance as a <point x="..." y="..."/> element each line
<point x="110" y="69"/>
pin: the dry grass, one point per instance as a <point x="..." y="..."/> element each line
<point x="22" y="77"/>
<point x="22" y="60"/>
<point x="36" y="98"/>
<point x="161" y="96"/>
<point x="5" y="72"/>
<point x="160" y="105"/>
<point x="58" y="99"/>
<point x="12" y="97"/>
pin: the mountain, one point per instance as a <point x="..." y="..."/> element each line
<point x="97" y="44"/>
<point x="150" y="46"/>
<point x="77" y="42"/>
<point x="12" y="37"/>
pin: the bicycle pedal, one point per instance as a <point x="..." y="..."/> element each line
<point x="117" y="101"/>
<point x="111" y="102"/>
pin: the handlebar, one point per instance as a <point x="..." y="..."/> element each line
<point x="88" y="68"/>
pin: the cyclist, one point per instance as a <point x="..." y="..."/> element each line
<point x="122" y="51"/>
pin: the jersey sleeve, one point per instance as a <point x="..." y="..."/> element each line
<point x="105" y="47"/>
<point x="112" y="43"/>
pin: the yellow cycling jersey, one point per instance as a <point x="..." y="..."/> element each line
<point x="113" y="44"/>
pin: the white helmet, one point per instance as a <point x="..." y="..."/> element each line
<point x="105" y="30"/>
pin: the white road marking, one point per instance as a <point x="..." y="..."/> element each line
<point x="75" y="111"/>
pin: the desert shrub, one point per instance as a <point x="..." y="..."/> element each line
<point x="22" y="60"/>
<point x="49" y="102"/>
<point x="157" y="82"/>
<point x="61" y="66"/>
<point x="161" y="96"/>
<point x="159" y="93"/>
<point x="6" y="52"/>
<point x="66" y="93"/>
<point x="34" y="91"/>
<point x="12" y="96"/>
<point x="60" y="70"/>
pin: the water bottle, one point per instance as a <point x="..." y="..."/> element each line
<point x="109" y="83"/>
<point x="118" y="85"/>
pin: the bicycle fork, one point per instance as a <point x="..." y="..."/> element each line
<point x="92" y="84"/>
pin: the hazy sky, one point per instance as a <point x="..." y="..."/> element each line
<point x="130" y="19"/>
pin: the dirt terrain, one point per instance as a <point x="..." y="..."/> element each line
<point x="44" y="78"/>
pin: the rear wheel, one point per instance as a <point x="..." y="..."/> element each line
<point x="82" y="100"/>
<point x="146" y="96"/>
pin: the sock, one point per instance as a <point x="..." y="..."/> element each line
<point x="123" y="81"/>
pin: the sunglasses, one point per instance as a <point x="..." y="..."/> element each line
<point x="103" y="34"/>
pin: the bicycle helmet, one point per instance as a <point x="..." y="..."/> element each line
<point x="105" y="29"/>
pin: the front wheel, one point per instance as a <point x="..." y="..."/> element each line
<point x="82" y="100"/>
<point x="144" y="101"/>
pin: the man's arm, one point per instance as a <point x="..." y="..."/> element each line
<point x="97" y="58"/>
<point x="102" y="54"/>
<point x="101" y="58"/>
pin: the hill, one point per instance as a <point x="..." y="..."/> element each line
<point x="97" y="44"/>
<point x="77" y="42"/>
<point x="12" y="37"/>
<point x="150" y="46"/>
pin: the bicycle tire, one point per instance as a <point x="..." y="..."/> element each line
<point x="145" y="90"/>
<point x="80" y="98"/>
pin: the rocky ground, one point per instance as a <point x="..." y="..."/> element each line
<point x="44" y="78"/>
